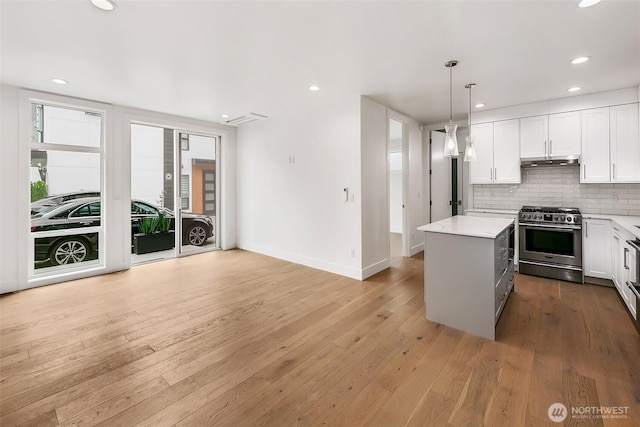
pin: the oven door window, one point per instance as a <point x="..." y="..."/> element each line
<point x="550" y="242"/>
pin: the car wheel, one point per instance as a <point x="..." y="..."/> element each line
<point x="70" y="251"/>
<point x="196" y="235"/>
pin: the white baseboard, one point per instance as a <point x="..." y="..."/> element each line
<point x="331" y="267"/>
<point x="416" y="249"/>
<point x="375" y="268"/>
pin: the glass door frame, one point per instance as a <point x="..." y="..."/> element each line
<point x="178" y="195"/>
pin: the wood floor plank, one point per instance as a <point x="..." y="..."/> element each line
<point x="580" y="392"/>
<point x="252" y="340"/>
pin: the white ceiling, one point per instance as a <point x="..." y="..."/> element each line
<point x="203" y="58"/>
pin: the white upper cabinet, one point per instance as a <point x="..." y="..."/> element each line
<point x="555" y="135"/>
<point x="498" y="153"/>
<point x="610" y="145"/>
<point x="625" y="144"/>
<point x="481" y="171"/>
<point x="534" y="137"/>
<point x="564" y="134"/>
<point x="594" y="161"/>
<point x="506" y="152"/>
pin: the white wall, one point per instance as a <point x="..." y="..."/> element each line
<point x="15" y="175"/>
<point x="297" y="210"/>
<point x="10" y="243"/>
<point x="375" y="205"/>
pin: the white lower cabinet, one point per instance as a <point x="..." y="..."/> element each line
<point x="596" y="242"/>
<point x="624" y="267"/>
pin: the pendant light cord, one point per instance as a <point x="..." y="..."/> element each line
<point x="450" y="95"/>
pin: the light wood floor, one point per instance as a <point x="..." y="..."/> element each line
<point x="238" y="339"/>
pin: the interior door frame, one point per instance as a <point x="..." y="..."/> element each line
<point x="458" y="179"/>
<point x="391" y="115"/>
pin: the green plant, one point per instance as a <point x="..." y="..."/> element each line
<point x="158" y="223"/>
<point x="147" y="226"/>
<point x="163" y="223"/>
<point x="38" y="190"/>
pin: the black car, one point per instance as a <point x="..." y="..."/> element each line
<point x="85" y="212"/>
<point x="47" y="202"/>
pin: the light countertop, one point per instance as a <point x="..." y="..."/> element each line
<point x="629" y="223"/>
<point x="469" y="226"/>
<point x="493" y="211"/>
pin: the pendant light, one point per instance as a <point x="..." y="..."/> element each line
<point x="450" y="139"/>
<point x="469" y="151"/>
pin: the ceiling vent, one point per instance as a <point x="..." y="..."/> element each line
<point x="248" y="118"/>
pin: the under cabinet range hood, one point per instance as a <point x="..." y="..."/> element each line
<point x="550" y="161"/>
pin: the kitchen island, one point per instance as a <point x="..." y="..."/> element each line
<point x="468" y="272"/>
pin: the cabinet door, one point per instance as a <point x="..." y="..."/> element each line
<point x="632" y="274"/>
<point x="597" y="248"/>
<point x="617" y="265"/>
<point x="564" y="134"/>
<point x="481" y="171"/>
<point x="625" y="144"/>
<point x="506" y="152"/>
<point x="595" y="146"/>
<point x="534" y="133"/>
<point x="625" y="274"/>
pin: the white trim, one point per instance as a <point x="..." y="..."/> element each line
<point x="394" y="115"/>
<point x="316" y="263"/>
<point x="375" y="268"/>
<point x="417" y="249"/>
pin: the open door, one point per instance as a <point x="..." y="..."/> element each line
<point x="397" y="172"/>
<point x="446" y="183"/>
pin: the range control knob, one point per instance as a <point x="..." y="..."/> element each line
<point x="563" y="218"/>
<point x="569" y="219"/>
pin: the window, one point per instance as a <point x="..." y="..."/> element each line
<point x="184" y="141"/>
<point x="184" y="191"/>
<point x="66" y="168"/>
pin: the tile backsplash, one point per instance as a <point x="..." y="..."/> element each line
<point x="559" y="186"/>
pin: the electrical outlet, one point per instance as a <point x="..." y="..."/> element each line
<point x="352" y="253"/>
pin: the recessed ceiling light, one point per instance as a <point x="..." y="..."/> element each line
<point x="588" y="3"/>
<point x="225" y="116"/>
<point x="107" y="5"/>
<point x="314" y="88"/>
<point x="59" y="81"/>
<point x="573" y="89"/>
<point x="580" y="59"/>
<point x="480" y="105"/>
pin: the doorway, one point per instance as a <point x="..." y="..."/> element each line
<point x="396" y="166"/>
<point x="447" y="181"/>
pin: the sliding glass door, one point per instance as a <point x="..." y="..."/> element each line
<point x="174" y="193"/>
<point x="198" y="192"/>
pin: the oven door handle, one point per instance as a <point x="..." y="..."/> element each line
<point x="559" y="227"/>
<point x="634" y="245"/>
<point x="633" y="288"/>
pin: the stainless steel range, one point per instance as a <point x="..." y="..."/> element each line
<point x="551" y="242"/>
